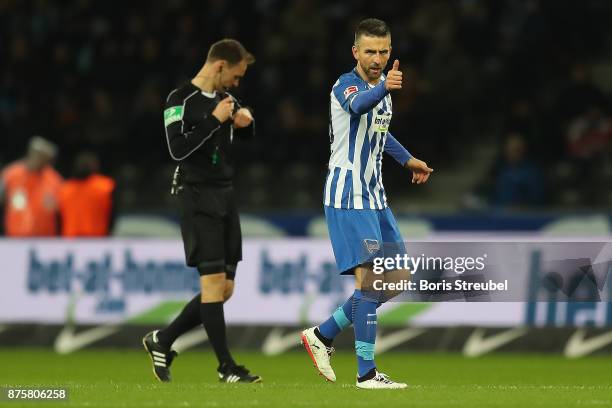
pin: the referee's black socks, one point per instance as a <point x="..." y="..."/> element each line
<point x="213" y="320"/>
<point x="195" y="312"/>
<point x="185" y="321"/>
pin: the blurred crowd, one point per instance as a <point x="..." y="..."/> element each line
<point x="35" y="200"/>
<point x="530" y="77"/>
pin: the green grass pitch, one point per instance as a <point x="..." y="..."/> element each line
<point x="124" y="379"/>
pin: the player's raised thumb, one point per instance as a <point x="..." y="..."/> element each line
<point x="396" y="65"/>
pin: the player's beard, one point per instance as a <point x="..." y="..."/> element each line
<point x="372" y="76"/>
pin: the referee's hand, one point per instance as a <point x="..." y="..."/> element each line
<point x="242" y="118"/>
<point x="223" y="110"/>
<point x="394" y="77"/>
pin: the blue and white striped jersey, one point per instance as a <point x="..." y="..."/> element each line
<point x="354" y="179"/>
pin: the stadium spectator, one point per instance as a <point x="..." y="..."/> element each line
<point x="86" y="203"/>
<point x="589" y="136"/>
<point x="29" y="192"/>
<point x="519" y="181"/>
<point x="523" y="119"/>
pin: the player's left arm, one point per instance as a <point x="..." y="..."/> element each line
<point x="420" y="170"/>
<point x="395" y="149"/>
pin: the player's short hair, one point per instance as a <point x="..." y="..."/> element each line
<point x="372" y="27"/>
<point x="229" y="50"/>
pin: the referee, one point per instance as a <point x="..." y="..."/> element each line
<point x="200" y="119"/>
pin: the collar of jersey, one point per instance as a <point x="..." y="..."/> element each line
<point x="382" y="78"/>
<point x="209" y="94"/>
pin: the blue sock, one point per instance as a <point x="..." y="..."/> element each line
<point x="364" y="322"/>
<point x="338" y="321"/>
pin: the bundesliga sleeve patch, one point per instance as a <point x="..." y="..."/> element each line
<point x="173" y="114"/>
<point x="350" y="90"/>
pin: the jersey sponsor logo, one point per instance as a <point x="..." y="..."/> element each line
<point x="381" y="122"/>
<point x="350" y="90"/>
<point x="173" y="114"/>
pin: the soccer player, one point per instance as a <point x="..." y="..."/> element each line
<point x="200" y="119"/>
<point x="358" y="219"/>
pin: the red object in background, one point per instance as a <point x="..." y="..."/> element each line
<point x="86" y="206"/>
<point x="31" y="201"/>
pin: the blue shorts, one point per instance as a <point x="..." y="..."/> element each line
<point x="358" y="236"/>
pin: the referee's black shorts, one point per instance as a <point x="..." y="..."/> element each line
<point x="210" y="226"/>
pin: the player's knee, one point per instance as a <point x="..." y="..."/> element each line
<point x="365" y="278"/>
<point x="394" y="283"/>
<point x="213" y="287"/>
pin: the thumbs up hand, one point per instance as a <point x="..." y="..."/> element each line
<point x="394" y="77"/>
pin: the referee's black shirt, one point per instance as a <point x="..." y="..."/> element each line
<point x="196" y="139"/>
